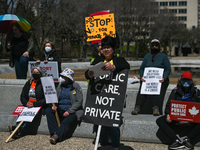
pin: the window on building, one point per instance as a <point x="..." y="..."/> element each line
<point x="183" y="3"/>
<point x="163" y="3"/>
<point x="182" y="11"/>
<point x="173" y="11"/>
<point x="172" y="3"/>
<point x="182" y="18"/>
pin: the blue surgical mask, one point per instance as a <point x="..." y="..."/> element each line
<point x="48" y="49"/>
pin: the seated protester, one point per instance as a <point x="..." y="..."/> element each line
<point x="115" y="64"/>
<point x="32" y="96"/>
<point x="70" y="111"/>
<point x="185" y="91"/>
<point x="50" y="54"/>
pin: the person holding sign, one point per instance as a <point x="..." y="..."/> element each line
<point x="32" y="96"/>
<point x="114" y="64"/>
<point x="70" y="110"/>
<point x="158" y="60"/>
<point x="50" y="54"/>
<point x="185" y="91"/>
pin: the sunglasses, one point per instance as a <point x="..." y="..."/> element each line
<point x="155" y="44"/>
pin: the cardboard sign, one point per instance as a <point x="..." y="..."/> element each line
<point x="152" y="85"/>
<point x="105" y="99"/>
<point x="28" y="114"/>
<point x="49" y="90"/>
<point x="18" y="110"/>
<point x="185" y="111"/>
<point x="49" y="69"/>
<point x="97" y="27"/>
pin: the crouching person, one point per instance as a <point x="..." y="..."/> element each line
<point x="69" y="108"/>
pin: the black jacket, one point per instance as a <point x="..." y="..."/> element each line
<point x="177" y="95"/>
<point x="38" y="92"/>
<point x="119" y="62"/>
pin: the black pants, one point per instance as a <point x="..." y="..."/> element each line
<point x="147" y="102"/>
<point x="192" y="131"/>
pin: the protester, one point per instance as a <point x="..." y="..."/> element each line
<point x="158" y="60"/>
<point x="69" y="108"/>
<point x="50" y="54"/>
<point x="187" y="92"/>
<point x="20" y="44"/>
<point x="115" y="64"/>
<point x="32" y="96"/>
<point x="97" y="51"/>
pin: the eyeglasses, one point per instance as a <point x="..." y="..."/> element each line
<point x="154" y="44"/>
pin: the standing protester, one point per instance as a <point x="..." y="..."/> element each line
<point x="69" y="108"/>
<point x="32" y="96"/>
<point x="115" y="64"/>
<point x="20" y="45"/>
<point x="50" y="54"/>
<point x="185" y="91"/>
<point x="158" y="60"/>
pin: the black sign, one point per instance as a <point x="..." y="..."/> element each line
<point x="105" y="99"/>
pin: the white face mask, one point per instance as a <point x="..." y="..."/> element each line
<point x="48" y="49"/>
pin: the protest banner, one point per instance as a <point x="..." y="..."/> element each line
<point x="185" y="111"/>
<point x="152" y="85"/>
<point x="18" y="110"/>
<point x="97" y="69"/>
<point x="49" y="69"/>
<point x="105" y="99"/>
<point x="100" y="26"/>
<point x="50" y="93"/>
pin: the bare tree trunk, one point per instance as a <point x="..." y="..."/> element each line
<point x="127" y="48"/>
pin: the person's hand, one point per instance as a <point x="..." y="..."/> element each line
<point x="29" y="104"/>
<point x="143" y="80"/>
<point x="90" y="74"/>
<point x="168" y="118"/>
<point x="38" y="61"/>
<point x="45" y="61"/>
<point x="9" y="45"/>
<point x="65" y="114"/>
<point x="26" y="54"/>
<point x="162" y="80"/>
<point x="108" y="66"/>
<point x="54" y="108"/>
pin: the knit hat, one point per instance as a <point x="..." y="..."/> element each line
<point x="67" y="72"/>
<point x="186" y="75"/>
<point x="155" y="41"/>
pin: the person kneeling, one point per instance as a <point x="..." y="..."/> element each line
<point x="69" y="108"/>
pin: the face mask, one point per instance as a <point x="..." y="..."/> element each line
<point x="36" y="76"/>
<point x="47" y="49"/>
<point x="155" y="51"/>
<point x="186" y="83"/>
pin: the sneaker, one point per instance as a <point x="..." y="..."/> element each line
<point x="188" y="145"/>
<point x="176" y="145"/>
<point x="54" y="139"/>
<point x="156" y="111"/>
<point x="136" y="110"/>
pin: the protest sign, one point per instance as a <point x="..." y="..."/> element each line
<point x="97" y="69"/>
<point x="18" y="110"/>
<point x="185" y="111"/>
<point x="105" y="99"/>
<point x="152" y="85"/>
<point x="49" y="69"/>
<point x="100" y="26"/>
<point x="49" y="90"/>
<point x="28" y="114"/>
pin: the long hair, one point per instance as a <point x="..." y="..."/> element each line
<point x="48" y="41"/>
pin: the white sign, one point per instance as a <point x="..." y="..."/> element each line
<point x="152" y="85"/>
<point x="49" y="69"/>
<point x="49" y="90"/>
<point x="97" y="69"/>
<point x="28" y="114"/>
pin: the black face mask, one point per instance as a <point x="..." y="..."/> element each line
<point x="36" y="76"/>
<point x="155" y="51"/>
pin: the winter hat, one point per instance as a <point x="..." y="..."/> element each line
<point x="67" y="72"/>
<point x="155" y="41"/>
<point x="186" y="75"/>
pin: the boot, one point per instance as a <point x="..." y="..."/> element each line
<point x="136" y="110"/>
<point x="156" y="111"/>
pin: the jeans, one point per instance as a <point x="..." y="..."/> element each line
<point x="21" y="67"/>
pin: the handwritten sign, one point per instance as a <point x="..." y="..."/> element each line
<point x="152" y="85"/>
<point x="98" y="27"/>
<point x="49" y="90"/>
<point x="185" y="111"/>
<point x="105" y="99"/>
<point x="28" y="114"/>
<point x="18" y="110"/>
<point x="49" y="69"/>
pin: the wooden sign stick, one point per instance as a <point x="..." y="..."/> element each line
<point x="56" y="113"/>
<point x="14" y="131"/>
